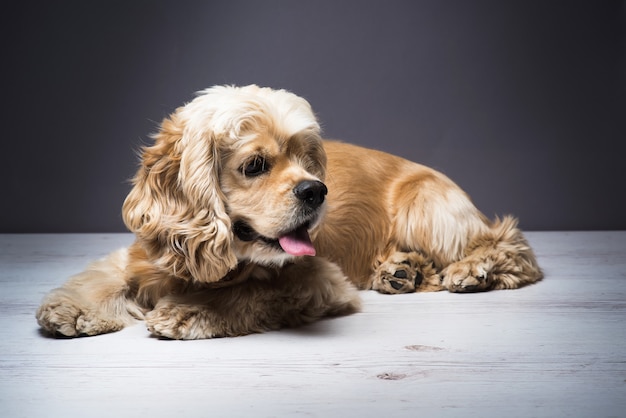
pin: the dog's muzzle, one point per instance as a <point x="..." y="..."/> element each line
<point x="295" y="239"/>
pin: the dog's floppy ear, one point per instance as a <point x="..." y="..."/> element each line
<point x="176" y="208"/>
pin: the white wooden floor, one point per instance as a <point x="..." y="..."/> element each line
<point x="557" y="348"/>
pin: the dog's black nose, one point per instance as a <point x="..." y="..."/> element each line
<point x="310" y="192"/>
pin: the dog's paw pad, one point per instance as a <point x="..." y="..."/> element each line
<point x="397" y="284"/>
<point x="391" y="281"/>
<point x="400" y="274"/>
<point x="403" y="273"/>
<point x="393" y="286"/>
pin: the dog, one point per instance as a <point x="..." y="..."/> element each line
<point x="247" y="221"/>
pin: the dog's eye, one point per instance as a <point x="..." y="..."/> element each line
<point x="256" y="166"/>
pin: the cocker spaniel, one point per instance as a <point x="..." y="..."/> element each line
<point x="246" y="221"/>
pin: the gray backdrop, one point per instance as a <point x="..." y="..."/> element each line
<point x="521" y="102"/>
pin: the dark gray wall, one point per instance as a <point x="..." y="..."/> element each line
<point x="521" y="102"/>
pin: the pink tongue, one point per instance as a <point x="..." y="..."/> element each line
<point x="297" y="243"/>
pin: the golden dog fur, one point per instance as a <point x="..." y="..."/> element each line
<point x="236" y="195"/>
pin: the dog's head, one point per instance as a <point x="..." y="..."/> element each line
<point x="237" y="174"/>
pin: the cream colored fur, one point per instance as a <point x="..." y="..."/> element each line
<point x="215" y="195"/>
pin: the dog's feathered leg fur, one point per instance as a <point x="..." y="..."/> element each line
<point x="499" y="258"/>
<point x="92" y="302"/>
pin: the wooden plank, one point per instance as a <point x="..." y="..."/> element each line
<point x="553" y="349"/>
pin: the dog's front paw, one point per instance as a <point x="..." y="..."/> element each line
<point x="468" y="276"/>
<point x="406" y="273"/>
<point x="179" y="322"/>
<point x="60" y="315"/>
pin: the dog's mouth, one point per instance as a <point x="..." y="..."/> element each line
<point x="296" y="242"/>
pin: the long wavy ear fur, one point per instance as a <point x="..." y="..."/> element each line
<point x="176" y="208"/>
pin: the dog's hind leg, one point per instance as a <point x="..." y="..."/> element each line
<point x="92" y="302"/>
<point x="499" y="258"/>
<point x="432" y="220"/>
